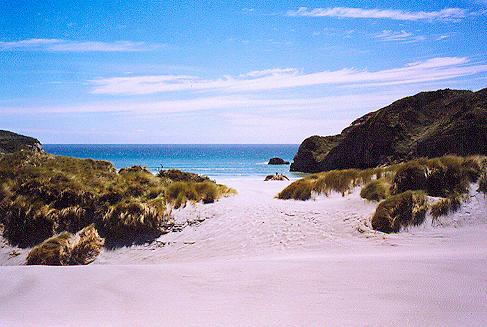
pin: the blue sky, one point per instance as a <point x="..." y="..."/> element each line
<point x="225" y="72"/>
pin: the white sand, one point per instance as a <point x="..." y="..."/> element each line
<point x="253" y="260"/>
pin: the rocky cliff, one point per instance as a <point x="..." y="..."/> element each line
<point x="428" y="124"/>
<point x="12" y="142"/>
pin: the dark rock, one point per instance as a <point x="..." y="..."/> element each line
<point x="277" y="161"/>
<point x="276" y="177"/>
<point x="429" y="124"/>
<point x="312" y="152"/>
<point x="11" y="142"/>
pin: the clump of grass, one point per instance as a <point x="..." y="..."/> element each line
<point x="447" y="177"/>
<point x="446" y="206"/>
<point x="401" y="210"/>
<point x="483" y="183"/>
<point x="341" y="181"/>
<point x="179" y="193"/>
<point x="181" y="176"/>
<point x="67" y="249"/>
<point x="86" y="246"/>
<point x="410" y="176"/>
<point x="376" y="190"/>
<point x="130" y="220"/>
<point x="298" y="190"/>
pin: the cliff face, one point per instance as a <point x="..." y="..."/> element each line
<point x="12" y="142"/>
<point x="429" y="124"/>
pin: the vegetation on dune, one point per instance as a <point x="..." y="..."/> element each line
<point x="341" y="181"/>
<point x="182" y="176"/>
<point x="400" y="210"/>
<point x="446" y="206"/>
<point x="42" y="195"/>
<point x="298" y="190"/>
<point x="483" y="183"/>
<point x="376" y="190"/>
<point x="180" y="193"/>
<point x="67" y="249"/>
<point x="448" y="177"/>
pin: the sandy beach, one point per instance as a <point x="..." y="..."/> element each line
<point x="253" y="260"/>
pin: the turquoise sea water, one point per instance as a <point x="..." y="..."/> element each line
<point x="210" y="159"/>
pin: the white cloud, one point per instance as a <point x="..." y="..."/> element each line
<point x="243" y="102"/>
<point x="444" y="14"/>
<point x="399" y="36"/>
<point x="75" y="46"/>
<point x="434" y="69"/>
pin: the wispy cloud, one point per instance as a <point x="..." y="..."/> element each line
<point x="75" y="46"/>
<point x="444" y="14"/>
<point x="434" y="69"/>
<point x="399" y="36"/>
<point x="226" y="102"/>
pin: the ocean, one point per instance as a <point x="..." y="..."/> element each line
<point x="213" y="160"/>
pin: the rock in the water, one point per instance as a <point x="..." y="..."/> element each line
<point x="276" y="177"/>
<point x="11" y="142"/>
<point x="429" y="124"/>
<point x="277" y="161"/>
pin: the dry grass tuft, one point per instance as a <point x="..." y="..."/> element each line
<point x="376" y="190"/>
<point x="401" y="210"/>
<point x="55" y="251"/>
<point x="298" y="190"/>
<point x="446" y="206"/>
<point x="180" y="193"/>
<point x="67" y="249"/>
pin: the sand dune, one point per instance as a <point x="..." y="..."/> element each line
<point x="253" y="260"/>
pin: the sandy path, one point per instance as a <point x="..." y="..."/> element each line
<point x="253" y="260"/>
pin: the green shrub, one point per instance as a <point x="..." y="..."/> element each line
<point x="376" y="190"/>
<point x="401" y="210"/>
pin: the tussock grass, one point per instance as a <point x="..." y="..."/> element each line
<point x="341" y="181"/>
<point x="180" y="193"/>
<point x="400" y="210"/>
<point x="42" y="195"/>
<point x="299" y="190"/>
<point x="182" y="176"/>
<point x="67" y="249"/>
<point x="376" y="190"/>
<point x="410" y="176"/>
<point x="483" y="183"/>
<point x="443" y="177"/>
<point x="445" y="206"/>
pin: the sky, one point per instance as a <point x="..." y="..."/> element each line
<point x="228" y="71"/>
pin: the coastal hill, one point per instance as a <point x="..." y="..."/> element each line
<point x="428" y="124"/>
<point x="11" y="142"/>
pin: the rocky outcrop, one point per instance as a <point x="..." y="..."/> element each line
<point x="429" y="124"/>
<point x="312" y="151"/>
<point x="11" y="142"/>
<point x="277" y="161"/>
<point x="276" y="177"/>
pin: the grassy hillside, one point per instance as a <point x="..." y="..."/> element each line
<point x="42" y="195"/>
